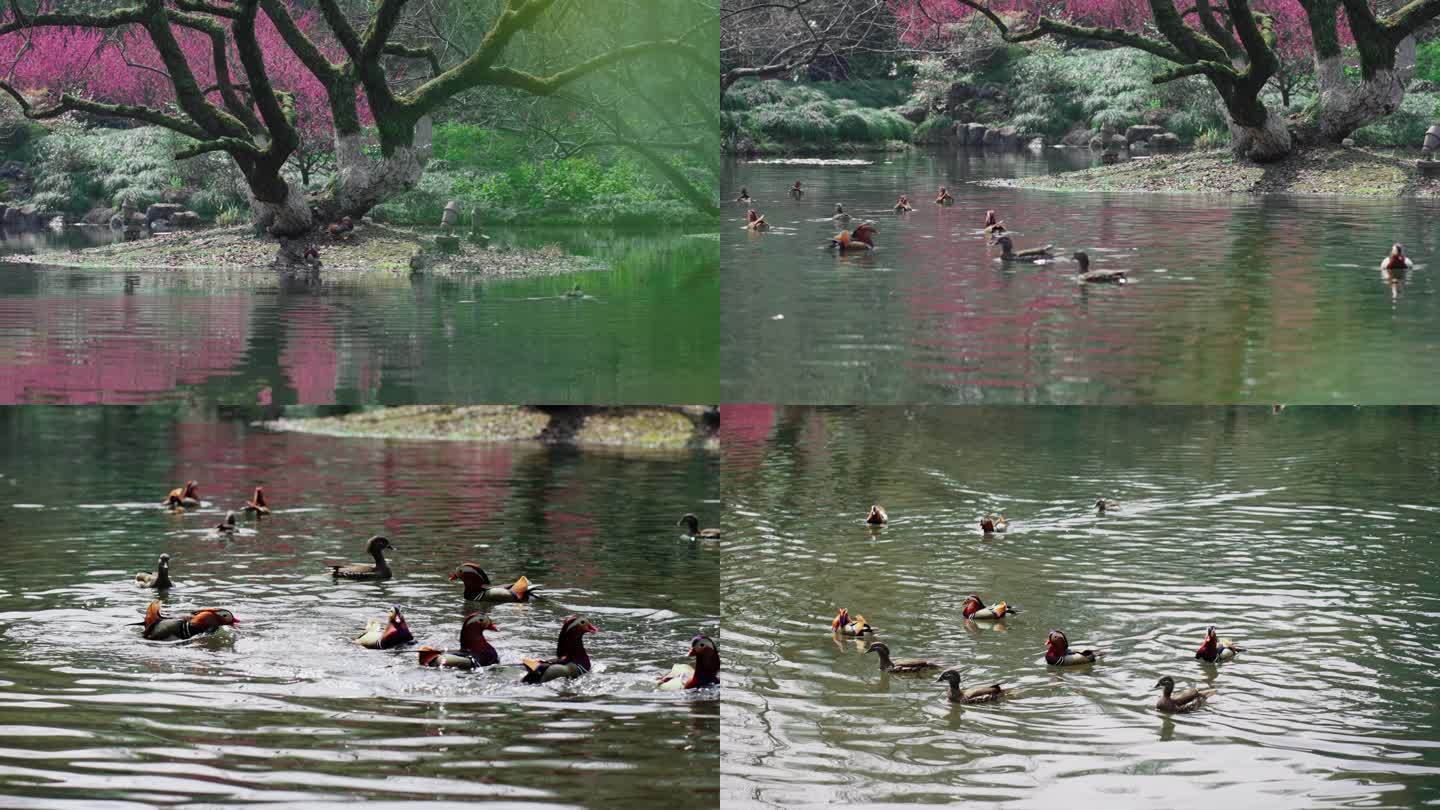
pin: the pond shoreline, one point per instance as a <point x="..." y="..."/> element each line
<point x="1337" y="172"/>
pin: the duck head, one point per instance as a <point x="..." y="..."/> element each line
<point x="950" y="676"/>
<point x="839" y="209"/>
<point x="942" y="192"/>
<point x="971" y="604"/>
<point x="904" y="200"/>
<point x="842" y="618"/>
<point x="377" y="544"/>
<point x="797" y="185"/>
<point x="1166" y="683"/>
<point x="877" y="515"/>
<point x="259" y="499"/>
<point x="192" y="490"/>
<point x="1082" y="259"/>
<point x="396" y="630"/>
<point x="1210" y="642"/>
<point x="472" y="632"/>
<point x="228" y="524"/>
<point x="707" y="662"/>
<point x="571" y="643"/>
<point x="987" y="524"/>
<point x="1397" y="250"/>
<point x="752" y="215"/>
<point x="163" y="564"/>
<point x="880" y="649"/>
<point x="1004" y="242"/>
<point x="207" y="618"/>
<point x="473" y="576"/>
<point x="690" y="522"/>
<point x="1057" y="643"/>
<point x="1100" y="505"/>
<point x="990" y="218"/>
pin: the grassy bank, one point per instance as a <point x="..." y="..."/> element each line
<point x="1335" y="171"/>
<point x="780" y="118"/>
<point x="674" y="428"/>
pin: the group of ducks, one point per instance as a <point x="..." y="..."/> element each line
<point x="475" y="651"/>
<point x="862" y="237"/>
<point x="1058" y="652"/>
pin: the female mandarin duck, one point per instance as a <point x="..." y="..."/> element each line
<point x="1059" y="654"/>
<point x="862" y="238"/>
<point x="845" y="626"/>
<point x="744" y="195"/>
<point x="903" y="204"/>
<point x="877" y="516"/>
<point x="840" y="215"/>
<point x="1085" y="275"/>
<point x="475" y="651"/>
<point x="380" y="569"/>
<point x="973" y="608"/>
<point x="1187" y="701"/>
<point x="993" y="226"/>
<point x="1009" y="254"/>
<point x="256" y="505"/>
<point x="944" y="197"/>
<point x="991" y="524"/>
<point x="228" y="525"/>
<point x="976" y="694"/>
<point x="1215" y="649"/>
<point x="1397" y="260"/>
<point x="571" y="660"/>
<point x="796" y="191"/>
<point x="186" y="497"/>
<point x="383" y="634"/>
<point x="160" y="580"/>
<point x="478" y="587"/>
<point x="1103" y="504"/>
<point x="692" y="528"/>
<point x="755" y="221"/>
<point x="903" y="666"/>
<point x="705" y="671"/>
<point x="165" y="628"/>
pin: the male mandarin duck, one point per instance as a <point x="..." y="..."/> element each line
<point x="1059" y="654"/>
<point x="944" y="197"/>
<point x="341" y="229"/>
<point x="755" y="221"/>
<point x="991" y="524"/>
<point x="382" y="634"/>
<point x="571" y="660"/>
<point x="903" y="204"/>
<point x="977" y="694"/>
<point x="973" y="608"/>
<point x="692" y="528"/>
<point x="1084" y="274"/>
<point x="845" y="626"/>
<point x="1215" y="649"/>
<point x="744" y="195"/>
<point x="186" y="497"/>
<point x="993" y="226"/>
<point x="704" y="672"/>
<point x="877" y="516"/>
<point x="840" y="215"/>
<point x="478" y="587"/>
<point x="1397" y="260"/>
<point x="379" y="569"/>
<point x="1103" y="504"/>
<point x="796" y="191"/>
<point x="1187" y="701"/>
<point x="228" y="525"/>
<point x="256" y="505"/>
<point x="160" y="580"/>
<point x="862" y="238"/>
<point x="165" y="628"/>
<point x="904" y="666"/>
<point x="475" y="651"/>
<point x="1009" y="254"/>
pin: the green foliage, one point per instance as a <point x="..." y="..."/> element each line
<point x="932" y="128"/>
<point x="867" y="92"/>
<point x="1212" y="138"/>
<point x="1404" y="127"/>
<point x="1427" y="61"/>
<point x="773" y="111"/>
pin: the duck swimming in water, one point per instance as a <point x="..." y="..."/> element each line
<point x="159" y="627"/>
<point x="1103" y="504"/>
<point x="256" y="505"/>
<point x="1059" y="654"/>
<point x="904" y="666"/>
<point x="903" y="204"/>
<point x="840" y="215"/>
<point x="944" y="197"/>
<point x="796" y="191"/>
<point x="744" y="197"/>
<point x="973" y="608"/>
<point x="571" y="660"/>
<point x="479" y="589"/>
<point x="160" y="580"/>
<point x="877" y="516"/>
<point x="977" y="694"/>
<point x="1215" y="649"/>
<point x="380" y="569"/>
<point x="1085" y="275"/>
<point x="1186" y="701"/>
<point x="1397" y="260"/>
<point x="475" y="651"/>
<point x="1009" y="254"/>
<point x="228" y="525"/>
<point x="186" y="497"/>
<point x="755" y="221"/>
<point x="862" y="238"/>
<point x="993" y="226"/>
<point x="383" y="634"/>
<point x="705" y="671"/>
<point x="692" y="528"/>
<point x="845" y="626"/>
<point x="992" y="525"/>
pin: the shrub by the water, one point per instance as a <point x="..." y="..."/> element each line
<point x="1404" y="127"/>
<point x="772" y="113"/>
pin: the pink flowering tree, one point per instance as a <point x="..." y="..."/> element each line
<point x="1238" y="45"/>
<point x="255" y="78"/>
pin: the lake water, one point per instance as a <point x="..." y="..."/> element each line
<point x="646" y="332"/>
<point x="1307" y="537"/>
<point x="283" y="708"/>
<point x="1233" y="299"/>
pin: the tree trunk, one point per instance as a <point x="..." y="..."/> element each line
<point x="1263" y="143"/>
<point x="362" y="182"/>
<point x="1344" y="106"/>
<point x="289" y="217"/>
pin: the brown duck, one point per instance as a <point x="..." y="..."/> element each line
<point x="904" y="666"/>
<point x="186" y="497"/>
<point x="380" y="569"/>
<point x="1010" y="254"/>
<point x="256" y="505"/>
<point x="479" y="589"/>
<point x="571" y="660"/>
<point x="475" y="651"/>
<point x="228" y="525"/>
<point x="160" y="580"/>
<point x="1186" y="701"/>
<point x="165" y="628"/>
<point x="975" y="694"/>
<point x="692" y="528"/>
<point x="877" y="516"/>
<point x="1085" y="275"/>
